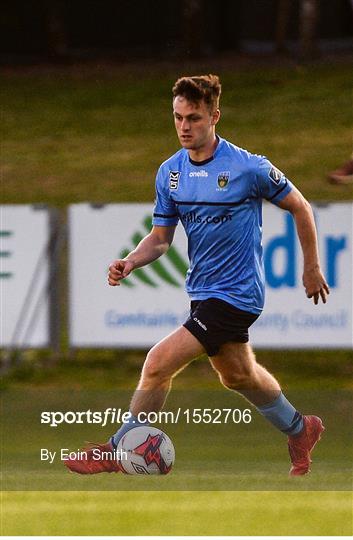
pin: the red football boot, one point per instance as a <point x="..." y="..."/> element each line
<point x="300" y="446"/>
<point x="94" y="459"/>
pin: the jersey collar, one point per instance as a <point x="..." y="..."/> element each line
<point x="200" y="163"/>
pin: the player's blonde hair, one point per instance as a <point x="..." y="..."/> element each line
<point x="205" y="88"/>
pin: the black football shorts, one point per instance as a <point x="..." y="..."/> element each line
<point x="215" y="322"/>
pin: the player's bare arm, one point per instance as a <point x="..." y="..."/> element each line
<point x="155" y="244"/>
<point x="313" y="280"/>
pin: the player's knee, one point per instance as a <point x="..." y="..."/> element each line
<point x="238" y="378"/>
<point x="154" y="368"/>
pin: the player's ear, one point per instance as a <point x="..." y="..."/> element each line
<point x="215" y="117"/>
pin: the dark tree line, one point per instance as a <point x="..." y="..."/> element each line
<point x="194" y="28"/>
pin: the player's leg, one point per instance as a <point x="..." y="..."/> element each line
<point x="238" y="370"/>
<point x="162" y="363"/>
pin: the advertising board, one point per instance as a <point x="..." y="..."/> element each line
<point x="152" y="301"/>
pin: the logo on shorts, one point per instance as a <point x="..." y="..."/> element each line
<point x="223" y="179"/>
<point x="174" y="179"/>
<point x="203" y="326"/>
<point x="275" y="175"/>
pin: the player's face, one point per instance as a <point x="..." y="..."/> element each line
<point x="195" y="123"/>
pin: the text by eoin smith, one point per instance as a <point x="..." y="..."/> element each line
<point x="80" y="455"/>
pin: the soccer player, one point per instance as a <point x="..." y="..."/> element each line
<point x="216" y="190"/>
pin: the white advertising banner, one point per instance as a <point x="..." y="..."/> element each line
<point x="152" y="301"/>
<point x="24" y="235"/>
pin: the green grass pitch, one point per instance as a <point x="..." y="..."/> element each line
<point x="177" y="513"/>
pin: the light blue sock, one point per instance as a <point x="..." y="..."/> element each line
<point x="130" y="424"/>
<point x="283" y="415"/>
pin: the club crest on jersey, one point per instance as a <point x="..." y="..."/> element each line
<point x="223" y="179"/>
<point x="275" y="175"/>
<point x="174" y="179"/>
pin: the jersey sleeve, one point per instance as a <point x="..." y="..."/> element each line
<point x="271" y="182"/>
<point x="165" y="212"/>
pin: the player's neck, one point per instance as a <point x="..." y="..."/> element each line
<point x="205" y="152"/>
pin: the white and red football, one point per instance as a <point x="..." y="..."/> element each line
<point x="146" y="450"/>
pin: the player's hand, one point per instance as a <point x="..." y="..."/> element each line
<point x="315" y="285"/>
<point x="119" y="270"/>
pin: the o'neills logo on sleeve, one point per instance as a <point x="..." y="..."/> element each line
<point x="275" y="175"/>
<point x="174" y="179"/>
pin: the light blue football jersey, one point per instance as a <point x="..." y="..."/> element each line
<point x="219" y="203"/>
